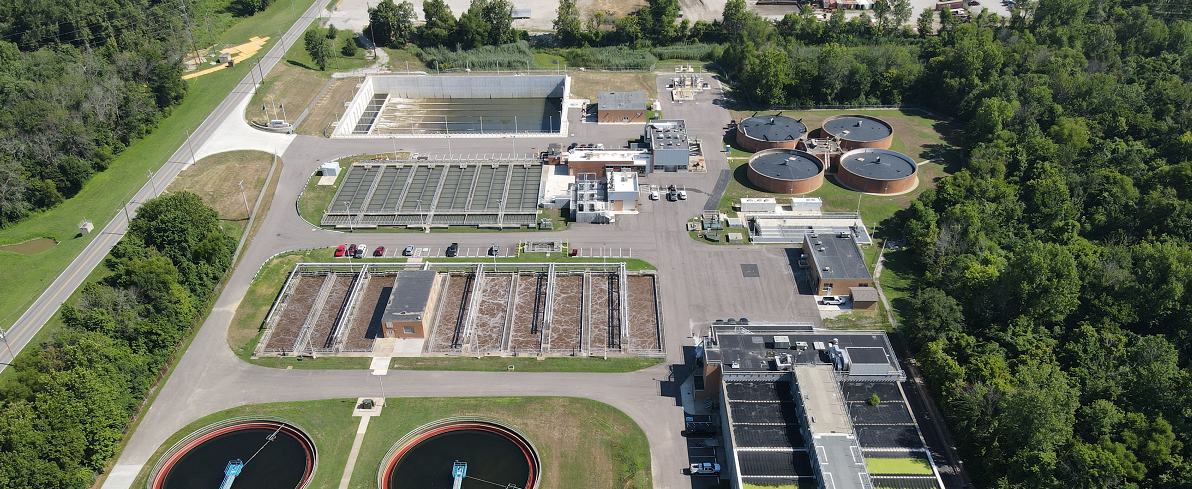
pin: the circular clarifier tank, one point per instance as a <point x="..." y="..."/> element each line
<point x="878" y="171"/>
<point x="276" y="455"/>
<point x="786" y="171"/>
<point x="496" y="456"/>
<point x="859" y="131"/>
<point x="770" y="131"/>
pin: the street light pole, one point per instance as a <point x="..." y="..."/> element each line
<point x="241" y="185"/>
<point x="154" y="185"/>
<point x="7" y="347"/>
<point x="382" y="390"/>
<point x="351" y="221"/>
<point x="192" y="148"/>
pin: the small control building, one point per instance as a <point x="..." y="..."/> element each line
<point x="407" y="314"/>
<point x="621" y="108"/>
<point x="836" y="263"/>
<point x="669" y="146"/>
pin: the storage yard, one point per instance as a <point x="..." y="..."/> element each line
<point x="536" y="309"/>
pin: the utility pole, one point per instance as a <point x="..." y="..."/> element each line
<point x="372" y="39"/>
<point x="241" y="185"/>
<point x="124" y="205"/>
<point x="154" y="185"/>
<point x="190" y="30"/>
<point x="191" y="146"/>
<point x="382" y="390"/>
<point x="351" y="221"/>
<point x="7" y="347"/>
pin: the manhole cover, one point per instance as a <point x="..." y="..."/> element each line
<point x="749" y="270"/>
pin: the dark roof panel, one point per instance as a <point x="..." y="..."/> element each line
<point x="772" y="128"/>
<point x="787" y="164"/>
<point x="621" y="101"/>
<point x="411" y="291"/>
<point x="857" y="128"/>
<point x="878" y="164"/>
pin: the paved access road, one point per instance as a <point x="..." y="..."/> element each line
<point x="232" y="108"/>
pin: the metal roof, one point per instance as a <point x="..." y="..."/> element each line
<point x="621" y="101"/>
<point x="857" y="128"/>
<point x="878" y="164"/>
<point x="839" y="256"/>
<point x="411" y="290"/>
<point x="667" y="134"/>
<point x="772" y="128"/>
<point x="865" y="294"/>
<point x="785" y="164"/>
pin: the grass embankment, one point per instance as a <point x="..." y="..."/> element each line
<point x="101" y="198"/>
<point x="581" y="443"/>
<point x="523" y="364"/>
<point x="914" y="466"/>
<point x="587" y="84"/>
<point x="294" y="83"/>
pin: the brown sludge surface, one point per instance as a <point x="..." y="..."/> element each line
<point x="490" y="315"/>
<point x="366" y="325"/>
<point x="294" y="315"/>
<point x="598" y="305"/>
<point x="452" y="311"/>
<point x="643" y="313"/>
<point x="522" y="340"/>
<point x="565" y="316"/>
<point x="326" y="318"/>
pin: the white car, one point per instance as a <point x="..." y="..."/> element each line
<point x="682" y="195"/>
<point x="706" y="468"/>
<point x="834" y="300"/>
<point x="654" y="195"/>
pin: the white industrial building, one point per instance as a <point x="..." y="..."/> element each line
<point x="600" y="200"/>
<point x="769" y="222"/>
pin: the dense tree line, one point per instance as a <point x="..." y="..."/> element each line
<point x="80" y="81"/>
<point x="66" y="409"/>
<point x="1052" y="319"/>
<point x="485" y="23"/>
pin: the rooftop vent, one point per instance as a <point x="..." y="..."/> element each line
<point x="827" y="269"/>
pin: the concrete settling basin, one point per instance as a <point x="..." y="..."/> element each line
<point x="271" y="453"/>
<point x="443" y="106"/>
<point x="493" y="454"/>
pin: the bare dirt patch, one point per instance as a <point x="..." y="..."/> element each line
<point x="329" y="107"/>
<point x="616" y="7"/>
<point x="291" y="87"/>
<point x="587" y="83"/>
<point x="296" y="309"/>
<point x="366" y="324"/>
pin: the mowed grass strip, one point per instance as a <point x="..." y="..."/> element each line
<point x="582" y="443"/>
<point x="913" y="466"/>
<point x="101" y="198"/>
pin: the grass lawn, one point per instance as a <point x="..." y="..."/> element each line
<point x="916" y="466"/>
<point x="523" y="364"/>
<point x="581" y="443"/>
<point x="315" y="197"/>
<point x="898" y="280"/>
<point x="586" y="84"/>
<point x="215" y="179"/>
<point x="100" y="199"/>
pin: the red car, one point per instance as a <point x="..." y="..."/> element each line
<point x="339" y="252"/>
<point x="380" y="251"/>
<point x="351" y="250"/>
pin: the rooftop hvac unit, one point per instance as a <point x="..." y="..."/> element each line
<point x="495" y="166"/>
<point x="462" y="166"/>
<point x="827" y="269"/>
<point x="526" y="165"/>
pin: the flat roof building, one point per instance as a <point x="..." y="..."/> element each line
<point x="836" y="263"/>
<point x="621" y="107"/>
<point x="669" y="146"/>
<point x="793" y="408"/>
<point x="407" y="313"/>
<point x="603" y="161"/>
